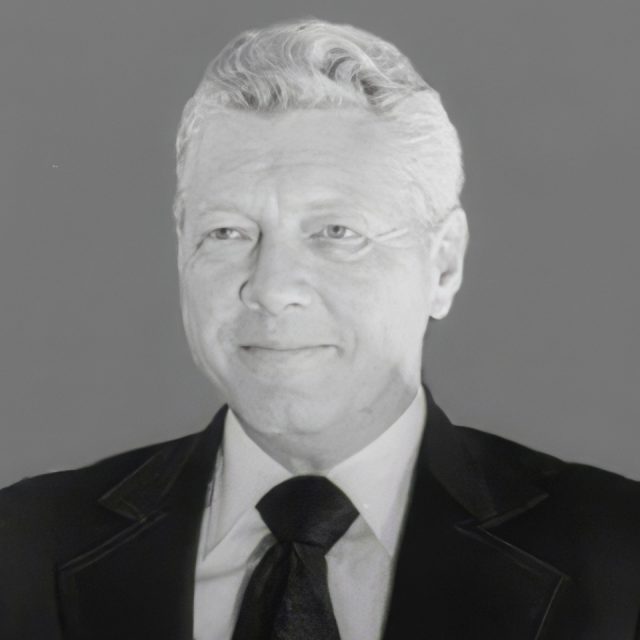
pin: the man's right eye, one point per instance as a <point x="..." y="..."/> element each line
<point x="226" y="233"/>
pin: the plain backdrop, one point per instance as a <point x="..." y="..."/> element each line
<point x="542" y="343"/>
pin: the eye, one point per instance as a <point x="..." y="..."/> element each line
<point x="225" y="233"/>
<point x="336" y="232"/>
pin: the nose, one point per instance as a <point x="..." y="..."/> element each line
<point x="277" y="281"/>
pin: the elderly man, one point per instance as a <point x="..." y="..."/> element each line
<point x="319" y="230"/>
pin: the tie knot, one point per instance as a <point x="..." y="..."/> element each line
<point x="307" y="509"/>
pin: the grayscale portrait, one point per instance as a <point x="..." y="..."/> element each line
<point x="398" y="245"/>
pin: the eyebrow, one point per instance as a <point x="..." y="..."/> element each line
<point x="222" y="206"/>
<point x="335" y="206"/>
<point x="324" y="204"/>
<point x="327" y="205"/>
<point x="226" y="206"/>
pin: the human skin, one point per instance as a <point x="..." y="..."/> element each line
<point x="308" y="277"/>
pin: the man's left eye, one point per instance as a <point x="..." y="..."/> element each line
<point x="336" y="232"/>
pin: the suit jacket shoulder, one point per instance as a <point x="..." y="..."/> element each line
<point x="500" y="542"/>
<point x="585" y="524"/>
<point x="31" y="509"/>
<point x="51" y="519"/>
<point x="587" y="493"/>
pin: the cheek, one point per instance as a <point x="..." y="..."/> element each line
<point x="383" y="306"/>
<point x="208" y="294"/>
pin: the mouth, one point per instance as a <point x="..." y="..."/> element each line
<point x="285" y="355"/>
<point x="266" y="350"/>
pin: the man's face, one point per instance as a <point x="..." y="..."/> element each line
<point x="307" y="278"/>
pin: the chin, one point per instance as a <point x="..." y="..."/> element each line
<point x="276" y="406"/>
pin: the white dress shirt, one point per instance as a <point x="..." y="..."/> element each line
<point x="233" y="537"/>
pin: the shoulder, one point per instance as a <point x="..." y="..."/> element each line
<point x="588" y="488"/>
<point x="44" y="512"/>
<point x="588" y="517"/>
<point x="557" y="476"/>
<point x="47" y="520"/>
<point x="85" y="482"/>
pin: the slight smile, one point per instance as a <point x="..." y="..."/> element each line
<point x="285" y="355"/>
<point x="255" y="347"/>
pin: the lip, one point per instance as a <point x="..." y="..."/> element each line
<point x="283" y="348"/>
<point x="298" y="356"/>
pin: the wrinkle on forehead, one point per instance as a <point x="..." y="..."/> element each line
<point x="291" y="154"/>
<point x="283" y="134"/>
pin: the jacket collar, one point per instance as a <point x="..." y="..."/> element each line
<point x="465" y="463"/>
<point x="139" y="581"/>
<point x="461" y="464"/>
<point x="455" y="576"/>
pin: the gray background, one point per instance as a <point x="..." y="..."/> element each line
<point x="542" y="344"/>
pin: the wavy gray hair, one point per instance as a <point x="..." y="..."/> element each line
<point x="310" y="64"/>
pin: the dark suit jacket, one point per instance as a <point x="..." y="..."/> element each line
<point x="500" y="542"/>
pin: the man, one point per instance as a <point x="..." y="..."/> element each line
<point x="319" y="230"/>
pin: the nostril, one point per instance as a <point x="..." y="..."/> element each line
<point x="240" y="291"/>
<point x="247" y="297"/>
<point x="275" y="295"/>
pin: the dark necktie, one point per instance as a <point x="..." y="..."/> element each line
<point x="287" y="597"/>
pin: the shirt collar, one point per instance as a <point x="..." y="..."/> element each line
<point x="244" y="473"/>
<point x="376" y="479"/>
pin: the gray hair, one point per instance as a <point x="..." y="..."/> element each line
<point x="310" y="64"/>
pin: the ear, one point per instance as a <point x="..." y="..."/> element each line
<point x="179" y="215"/>
<point x="179" y="243"/>
<point x="448" y="247"/>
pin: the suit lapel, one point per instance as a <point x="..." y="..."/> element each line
<point x="455" y="578"/>
<point x="161" y="505"/>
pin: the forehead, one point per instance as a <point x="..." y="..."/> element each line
<point x="315" y="153"/>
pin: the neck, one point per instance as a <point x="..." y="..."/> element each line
<point x="304" y="451"/>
